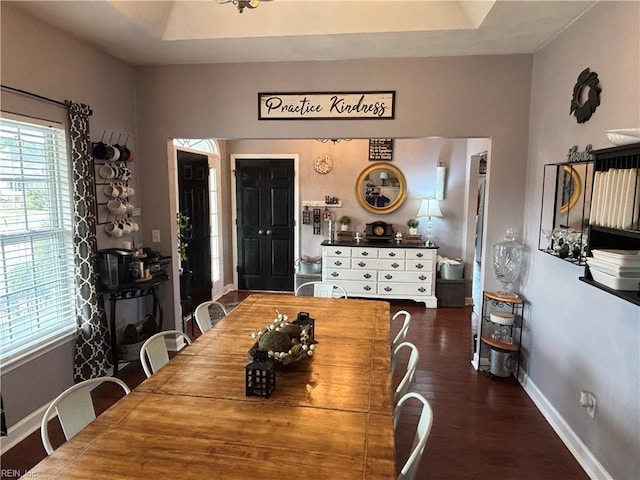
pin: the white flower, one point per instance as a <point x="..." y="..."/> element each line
<point x="310" y="353"/>
<point x="312" y="346"/>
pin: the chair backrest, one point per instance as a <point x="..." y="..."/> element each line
<point x="74" y="408"/>
<point x="402" y="333"/>
<point x="410" y="468"/>
<point x="412" y="363"/>
<point x="203" y="318"/>
<point x="154" y="353"/>
<point x="322" y="289"/>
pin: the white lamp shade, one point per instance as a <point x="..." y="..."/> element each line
<point x="384" y="175"/>
<point x="429" y="207"/>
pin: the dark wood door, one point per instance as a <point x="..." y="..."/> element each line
<point x="265" y="223"/>
<point x="193" y="187"/>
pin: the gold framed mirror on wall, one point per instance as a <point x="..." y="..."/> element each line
<point x="381" y="188"/>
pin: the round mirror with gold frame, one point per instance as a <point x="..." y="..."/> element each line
<point x="381" y="188"/>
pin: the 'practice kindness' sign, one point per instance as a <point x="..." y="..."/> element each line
<point x="334" y="106"/>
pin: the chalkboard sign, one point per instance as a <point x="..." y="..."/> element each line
<point x="381" y="149"/>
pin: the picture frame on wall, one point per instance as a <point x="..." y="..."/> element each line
<point x="380" y="149"/>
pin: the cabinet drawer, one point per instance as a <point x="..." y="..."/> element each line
<point x="342" y="274"/>
<point x="354" y="287"/>
<point x="336" y="251"/>
<point x="420" y="265"/>
<point x="363" y="252"/>
<point x="393" y="253"/>
<point x="426" y="254"/>
<point x="336" y="262"/>
<point x="407" y="289"/>
<point x="376" y="264"/>
<point x="392" y="276"/>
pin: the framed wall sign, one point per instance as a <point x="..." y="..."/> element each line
<point x="381" y="149"/>
<point x="326" y="106"/>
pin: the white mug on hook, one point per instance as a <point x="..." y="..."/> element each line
<point x="107" y="172"/>
<point x="126" y="226"/>
<point x="113" y="229"/>
<point x="116" y="206"/>
<point x="112" y="191"/>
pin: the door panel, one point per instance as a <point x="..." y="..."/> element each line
<point x="193" y="187"/>
<point x="265" y="224"/>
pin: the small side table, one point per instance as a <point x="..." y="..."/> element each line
<point x="127" y="292"/>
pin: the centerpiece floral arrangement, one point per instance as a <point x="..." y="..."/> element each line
<point x="284" y="341"/>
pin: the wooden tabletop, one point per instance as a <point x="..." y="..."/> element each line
<point x="328" y="418"/>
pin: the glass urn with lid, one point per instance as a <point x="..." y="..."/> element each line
<point x="508" y="259"/>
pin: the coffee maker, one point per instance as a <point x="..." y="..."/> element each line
<point x="113" y="267"/>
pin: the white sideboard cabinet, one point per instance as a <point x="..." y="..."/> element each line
<point x="384" y="271"/>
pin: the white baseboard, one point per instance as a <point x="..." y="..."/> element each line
<point x="22" y="429"/>
<point x="578" y="449"/>
<point x="468" y="301"/>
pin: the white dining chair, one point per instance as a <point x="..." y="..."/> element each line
<point x="402" y="333"/>
<point x="74" y="408"/>
<point x="322" y="289"/>
<point x="423" y="428"/>
<point x="154" y="353"/>
<point x="203" y="316"/>
<point x="412" y="363"/>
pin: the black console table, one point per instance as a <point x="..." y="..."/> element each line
<point x="130" y="291"/>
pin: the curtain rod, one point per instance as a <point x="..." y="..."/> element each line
<point x="35" y="95"/>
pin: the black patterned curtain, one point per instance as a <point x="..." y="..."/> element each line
<point x="92" y="357"/>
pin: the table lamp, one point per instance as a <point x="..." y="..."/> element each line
<point x="429" y="207"/>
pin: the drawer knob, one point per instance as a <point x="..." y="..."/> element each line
<point x="364" y="254"/>
<point x="422" y="277"/>
<point x="387" y="289"/>
<point x="338" y="252"/>
<point x="334" y="274"/>
<point x="367" y="288"/>
<point x="422" y="289"/>
<point x="392" y="254"/>
<point x="419" y="265"/>
<point x="362" y="264"/>
<point x="367" y="275"/>
<point x="395" y="265"/>
<point x="337" y="263"/>
<point x="388" y="276"/>
<point x="419" y="254"/>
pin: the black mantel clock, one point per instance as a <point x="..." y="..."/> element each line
<point x="379" y="232"/>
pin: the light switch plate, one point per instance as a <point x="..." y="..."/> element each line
<point x="155" y="236"/>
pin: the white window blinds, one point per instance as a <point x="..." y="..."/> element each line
<point x="36" y="242"/>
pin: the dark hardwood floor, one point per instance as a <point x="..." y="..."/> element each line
<point x="483" y="428"/>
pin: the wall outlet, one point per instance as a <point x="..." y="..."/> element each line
<point x="588" y="401"/>
<point x="155" y="236"/>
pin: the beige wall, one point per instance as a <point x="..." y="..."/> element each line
<point x="469" y="97"/>
<point x="581" y="338"/>
<point x="416" y="158"/>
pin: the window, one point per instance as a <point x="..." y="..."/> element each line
<point x="37" y="301"/>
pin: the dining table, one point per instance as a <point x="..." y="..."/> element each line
<point x="329" y="417"/>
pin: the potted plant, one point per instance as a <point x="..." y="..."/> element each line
<point x="185" y="232"/>
<point x="413" y="226"/>
<point x="344" y="223"/>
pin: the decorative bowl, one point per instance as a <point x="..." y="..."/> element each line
<point x="624" y="136"/>
<point x="502" y="318"/>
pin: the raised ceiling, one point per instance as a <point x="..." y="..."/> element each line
<point x="185" y="32"/>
